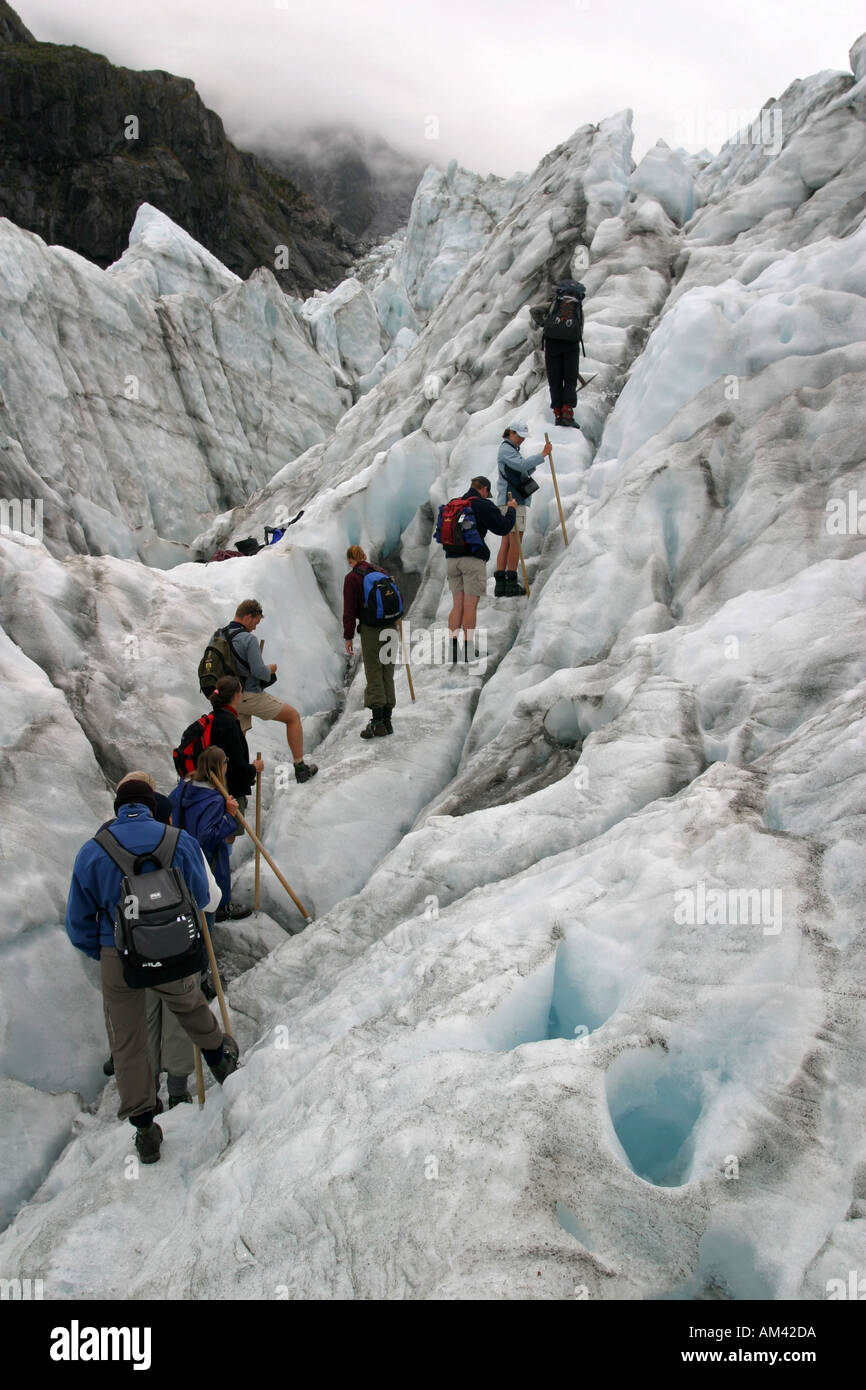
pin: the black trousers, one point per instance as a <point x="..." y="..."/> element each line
<point x="561" y="359"/>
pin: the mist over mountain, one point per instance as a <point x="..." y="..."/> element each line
<point x="85" y="143"/>
<point x="363" y="181"/>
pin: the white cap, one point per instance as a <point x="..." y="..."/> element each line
<point x="519" y="427"/>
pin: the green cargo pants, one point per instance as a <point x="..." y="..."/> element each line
<point x="379" y="690"/>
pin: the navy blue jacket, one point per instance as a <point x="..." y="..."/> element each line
<point x="488" y="517"/>
<point x="96" y="880"/>
<point x="201" y="810"/>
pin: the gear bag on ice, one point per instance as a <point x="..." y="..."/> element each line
<point x="564" y="321"/>
<point x="194" y="740"/>
<point x="456" y="524"/>
<point x="157" y="929"/>
<point x="383" y="602"/>
<point x="220" y="659"/>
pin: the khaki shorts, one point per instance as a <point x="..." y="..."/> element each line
<point x="258" y="703"/>
<point x="520" y="523"/>
<point x="467" y="575"/>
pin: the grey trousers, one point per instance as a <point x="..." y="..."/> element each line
<point x="168" y="1045"/>
<point x="126" y="1021"/>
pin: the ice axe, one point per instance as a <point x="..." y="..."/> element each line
<point x="258" y="831"/>
<point x="406" y="658"/>
<point x="520" y="551"/>
<point x="218" y="984"/>
<point x="556" y="490"/>
<point x="220" y="786"/>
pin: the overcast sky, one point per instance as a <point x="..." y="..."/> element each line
<point x="497" y="83"/>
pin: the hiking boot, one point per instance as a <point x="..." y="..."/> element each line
<point x="147" y="1142"/>
<point x="557" y="414"/>
<point x="454" y="649"/>
<point x="304" y="771"/>
<point x="185" y="1099"/>
<point x="387" y="711"/>
<point x="223" y="1069"/>
<point x="499" y="576"/>
<point x="108" y="1067"/>
<point x="232" y="912"/>
<point x="512" y="588"/>
<point x="376" y="727"/>
<point x="568" y="417"/>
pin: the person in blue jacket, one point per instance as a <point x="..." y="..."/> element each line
<point x="94" y="893"/>
<point x="509" y="457"/>
<point x="197" y="806"/>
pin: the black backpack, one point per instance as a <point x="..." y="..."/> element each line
<point x="220" y="659"/>
<point x="564" y="322"/>
<point x="157" y="927"/>
<point x="383" y="602"/>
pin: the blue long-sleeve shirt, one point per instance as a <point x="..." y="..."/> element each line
<point x="512" y="458"/>
<point x="96" y="880"/>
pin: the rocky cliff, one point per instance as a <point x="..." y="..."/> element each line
<point x="85" y="143"/>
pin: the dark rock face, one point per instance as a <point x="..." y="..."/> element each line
<point x="364" y="183"/>
<point x="85" y="143"/>
<point x="11" y="28"/>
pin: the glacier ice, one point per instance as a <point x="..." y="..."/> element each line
<point x="582" y="1003"/>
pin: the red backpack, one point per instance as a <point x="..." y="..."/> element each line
<point x="456" y="524"/>
<point x="193" y="741"/>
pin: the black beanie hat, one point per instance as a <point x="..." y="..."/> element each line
<point x="135" y="791"/>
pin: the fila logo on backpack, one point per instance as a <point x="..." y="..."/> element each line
<point x="157" y="928"/>
<point x="383" y="602"/>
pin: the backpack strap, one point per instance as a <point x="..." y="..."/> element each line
<point x="162" y="853"/>
<point x="234" y="651"/>
<point x="115" y="851"/>
<point x="184" y="787"/>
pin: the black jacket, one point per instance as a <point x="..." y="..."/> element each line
<point x="228" y="735"/>
<point x="488" y="517"/>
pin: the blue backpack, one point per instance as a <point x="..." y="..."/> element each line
<point x="383" y="602"/>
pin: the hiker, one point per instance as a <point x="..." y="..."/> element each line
<point x="94" y="897"/>
<point x="514" y="479"/>
<point x="562" y="340"/>
<point x="255" y="675"/>
<point x="166" y="1039"/>
<point x="379" y="694"/>
<point x="461" y="531"/>
<point x="197" y="807"/>
<point x="227" y="734"/>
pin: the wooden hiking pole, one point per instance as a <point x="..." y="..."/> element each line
<point x="523" y="564"/>
<point x="199" y="1077"/>
<point x="258" y="831"/>
<point x="406" y="657"/>
<point x="257" y="842"/>
<point x="556" y="490"/>
<point x="218" y="984"/>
